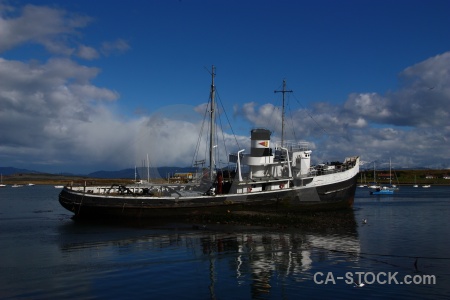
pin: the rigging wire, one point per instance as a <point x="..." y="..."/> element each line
<point x="199" y="140"/>
<point x="292" y="123"/>
<point x="206" y="122"/>
<point x="272" y="119"/>
<point x="228" y="120"/>
<point x="216" y="137"/>
<point x="217" y="153"/>
<point x="311" y="117"/>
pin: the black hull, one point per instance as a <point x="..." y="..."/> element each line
<point x="328" y="197"/>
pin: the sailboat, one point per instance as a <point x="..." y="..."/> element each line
<point x="391" y="186"/>
<point x="386" y="190"/>
<point x="362" y="185"/>
<point x="1" y="181"/>
<point x="415" y="182"/>
<point x="374" y="185"/>
<point x="271" y="177"/>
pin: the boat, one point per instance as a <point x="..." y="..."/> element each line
<point x="362" y="185"/>
<point x="391" y="186"/>
<point x="382" y="191"/>
<point x="273" y="178"/>
<point x="385" y="190"/>
<point x="374" y="185"/>
<point x="426" y="186"/>
<point x="59" y="186"/>
<point x="415" y="182"/>
<point x="17" y="185"/>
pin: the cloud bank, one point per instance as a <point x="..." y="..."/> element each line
<point x="54" y="118"/>
<point x="410" y="125"/>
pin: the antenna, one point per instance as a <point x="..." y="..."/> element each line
<point x="284" y="91"/>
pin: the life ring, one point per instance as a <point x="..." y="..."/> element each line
<point x="281" y="186"/>
<point x="249" y="189"/>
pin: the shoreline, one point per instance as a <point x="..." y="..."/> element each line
<point x="108" y="182"/>
<point x="403" y="178"/>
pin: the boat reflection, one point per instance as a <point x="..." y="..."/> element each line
<point x="249" y="257"/>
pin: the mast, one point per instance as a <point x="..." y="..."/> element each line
<point x="148" y="170"/>
<point x="211" y="137"/>
<point x="284" y="91"/>
<point x="390" y="171"/>
<point x="374" y="177"/>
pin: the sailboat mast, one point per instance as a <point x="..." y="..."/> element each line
<point x="148" y="169"/>
<point x="211" y="137"/>
<point x="284" y="91"/>
<point x="390" y="171"/>
<point x="374" y="178"/>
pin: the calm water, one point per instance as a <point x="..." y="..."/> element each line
<point x="46" y="255"/>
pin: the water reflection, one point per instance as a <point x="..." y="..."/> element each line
<point x="46" y="255"/>
<point x="217" y="259"/>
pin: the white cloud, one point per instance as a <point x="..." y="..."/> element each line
<point x="55" y="29"/>
<point x="51" y="113"/>
<point x="368" y="105"/>
<point x="41" y="25"/>
<point x="61" y="119"/>
<point x="87" y="52"/>
<point x="42" y="105"/>
<point x="411" y="124"/>
<point x="116" y="47"/>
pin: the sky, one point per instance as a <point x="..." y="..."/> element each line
<point x="101" y="85"/>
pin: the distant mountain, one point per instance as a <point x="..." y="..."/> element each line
<point x="161" y="172"/>
<point x="141" y="173"/>
<point x="10" y="171"/>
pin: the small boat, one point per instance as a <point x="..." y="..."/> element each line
<point x="382" y="191"/>
<point x="268" y="178"/>
<point x="59" y="186"/>
<point x="362" y="185"/>
<point x="374" y="185"/>
<point x="391" y="187"/>
<point x="30" y="184"/>
<point x="426" y="186"/>
<point x="1" y="181"/>
<point x="17" y="185"/>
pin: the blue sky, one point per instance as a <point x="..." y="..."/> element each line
<point x="89" y="85"/>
